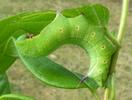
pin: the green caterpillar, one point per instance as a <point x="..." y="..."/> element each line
<point x="76" y="30"/>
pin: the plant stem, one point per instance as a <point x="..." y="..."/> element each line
<point x="120" y="37"/>
<point x="123" y="21"/>
<point x="121" y="32"/>
<point x="106" y="94"/>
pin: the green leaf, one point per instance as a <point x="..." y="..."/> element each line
<point x="4" y="84"/>
<point x="96" y="14"/>
<point x="15" y="97"/>
<point x="55" y="74"/>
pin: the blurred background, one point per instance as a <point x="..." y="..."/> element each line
<point x="73" y="57"/>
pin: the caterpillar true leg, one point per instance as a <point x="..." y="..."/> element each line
<point x="29" y="35"/>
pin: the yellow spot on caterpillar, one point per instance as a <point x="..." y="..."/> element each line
<point x="77" y="28"/>
<point x="93" y="34"/>
<point x="61" y="30"/>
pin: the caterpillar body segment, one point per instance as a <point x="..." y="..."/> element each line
<point x="77" y="31"/>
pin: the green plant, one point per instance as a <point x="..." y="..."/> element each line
<point x="84" y="26"/>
